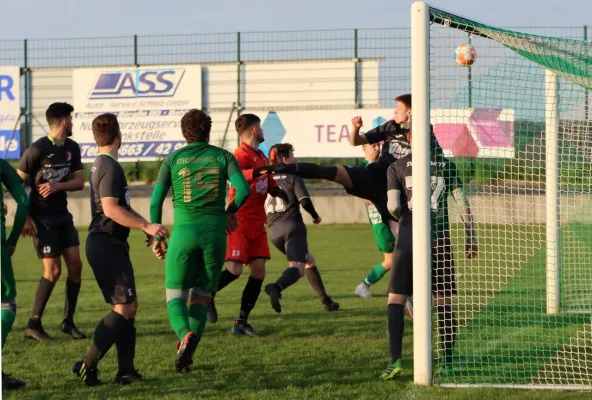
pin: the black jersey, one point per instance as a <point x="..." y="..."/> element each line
<point x="45" y="162"/>
<point x="276" y="209"/>
<point x="107" y="180"/>
<point x="444" y="179"/>
<point x="395" y="144"/>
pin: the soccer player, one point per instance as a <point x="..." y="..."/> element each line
<point x="367" y="182"/>
<point x="13" y="183"/>
<point x="107" y="251"/>
<point x="247" y="245"/>
<point x="288" y="232"/>
<point x="444" y="180"/>
<point x="197" y="173"/>
<point x="52" y="167"/>
<point x="383" y="236"/>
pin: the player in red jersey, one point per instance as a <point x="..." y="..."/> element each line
<point x="247" y="245"/>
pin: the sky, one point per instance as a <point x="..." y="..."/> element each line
<point x="40" y="19"/>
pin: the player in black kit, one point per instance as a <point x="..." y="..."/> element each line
<point x="368" y="182"/>
<point x="52" y="167"/>
<point x="444" y="181"/>
<point x="288" y="232"/>
<point x="107" y="251"/>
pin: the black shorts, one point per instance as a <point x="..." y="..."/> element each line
<point x="290" y="239"/>
<point x="54" y="234"/>
<point x="109" y="259"/>
<point x="369" y="184"/>
<point x="443" y="275"/>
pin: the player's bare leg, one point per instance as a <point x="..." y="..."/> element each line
<point x="231" y="273"/>
<point x="74" y="264"/>
<point x="52" y="269"/>
<point x="249" y="298"/>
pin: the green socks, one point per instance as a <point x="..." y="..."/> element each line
<point x="178" y="316"/>
<point x="375" y="275"/>
<point x="7" y="321"/>
<point x="198" y="315"/>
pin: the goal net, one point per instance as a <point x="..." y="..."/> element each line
<point x="516" y="122"/>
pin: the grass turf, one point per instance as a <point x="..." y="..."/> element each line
<point x="306" y="353"/>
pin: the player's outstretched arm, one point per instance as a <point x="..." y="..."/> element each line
<point x="129" y="219"/>
<point x="467" y="217"/>
<point x="13" y="183"/>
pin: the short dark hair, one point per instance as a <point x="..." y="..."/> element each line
<point x="282" y="150"/>
<point x="196" y="126"/>
<point x="105" y="129"/>
<point x="56" y="112"/>
<point x="405" y="99"/>
<point x="245" y="121"/>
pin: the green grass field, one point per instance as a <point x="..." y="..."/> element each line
<point x="306" y="353"/>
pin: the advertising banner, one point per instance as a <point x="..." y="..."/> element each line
<point x="149" y="103"/>
<point x="10" y="110"/>
<point x="483" y="133"/>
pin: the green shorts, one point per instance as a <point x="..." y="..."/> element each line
<point x="195" y="258"/>
<point x="382" y="232"/>
<point x="8" y="282"/>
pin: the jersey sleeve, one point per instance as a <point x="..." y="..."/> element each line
<point x="76" y="163"/>
<point x="300" y="189"/>
<point x="109" y="181"/>
<point x="30" y="161"/>
<point x="161" y="189"/>
<point x="164" y="174"/>
<point x="392" y="178"/>
<point x="13" y="183"/>
<point x="381" y="132"/>
<point x="232" y="165"/>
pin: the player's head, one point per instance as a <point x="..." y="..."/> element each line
<point x="58" y="116"/>
<point x="284" y="153"/>
<point x="249" y="126"/>
<point x="106" y="131"/>
<point x="196" y="126"/>
<point x="403" y="108"/>
<point x="371" y="151"/>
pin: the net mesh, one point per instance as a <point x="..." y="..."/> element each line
<point x="490" y="119"/>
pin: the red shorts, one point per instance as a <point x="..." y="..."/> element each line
<point x="245" y="245"/>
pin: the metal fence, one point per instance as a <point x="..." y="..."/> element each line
<point x="389" y="45"/>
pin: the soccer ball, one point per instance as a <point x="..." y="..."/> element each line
<point x="465" y="54"/>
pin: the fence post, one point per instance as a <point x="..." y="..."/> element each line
<point x="26" y="136"/>
<point x="136" y="50"/>
<point x="239" y="64"/>
<point x="586" y="92"/>
<point x="357" y="97"/>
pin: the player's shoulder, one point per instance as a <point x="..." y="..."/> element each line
<point x="106" y="164"/>
<point x="41" y="144"/>
<point x="71" y="143"/>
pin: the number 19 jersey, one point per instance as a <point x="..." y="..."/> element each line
<point x="197" y="174"/>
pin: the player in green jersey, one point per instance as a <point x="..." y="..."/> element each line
<point x="13" y="183"/>
<point x="197" y="174"/>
